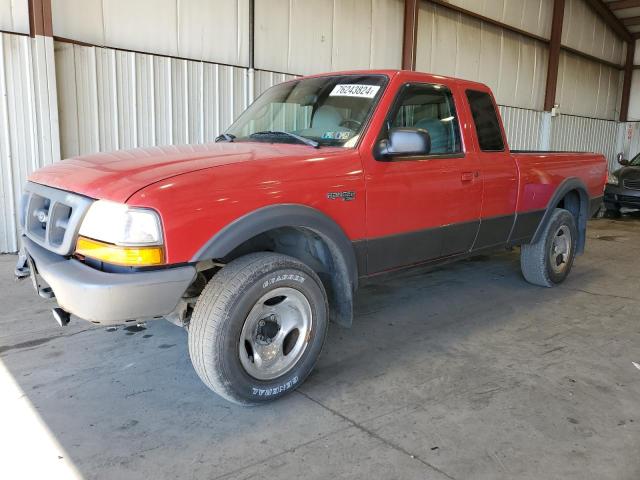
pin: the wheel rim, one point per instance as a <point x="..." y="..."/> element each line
<point x="560" y="249"/>
<point x="275" y="334"/>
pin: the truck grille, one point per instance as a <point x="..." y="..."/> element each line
<point x="51" y="217"/>
<point x="631" y="184"/>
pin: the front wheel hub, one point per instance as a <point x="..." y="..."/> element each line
<point x="561" y="245"/>
<point x="268" y="329"/>
<point x="276" y="333"/>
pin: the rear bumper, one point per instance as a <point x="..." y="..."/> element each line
<point x="109" y="298"/>
<point x="615" y="195"/>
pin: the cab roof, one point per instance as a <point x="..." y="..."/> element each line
<point x="410" y="74"/>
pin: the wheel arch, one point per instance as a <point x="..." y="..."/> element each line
<point x="572" y="195"/>
<point x="301" y="232"/>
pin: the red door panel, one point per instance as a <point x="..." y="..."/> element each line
<point x="421" y="208"/>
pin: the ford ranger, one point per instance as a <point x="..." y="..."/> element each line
<point x="256" y="241"/>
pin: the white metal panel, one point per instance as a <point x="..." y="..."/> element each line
<point x="585" y="31"/>
<point x="450" y="43"/>
<point x="272" y="35"/>
<point x="367" y="34"/>
<point x="87" y="99"/>
<point x="162" y="100"/>
<point x="14" y="16"/>
<point x="203" y="24"/>
<point x="310" y="36"/>
<point x="28" y="122"/>
<point x="588" y="88"/>
<point x="634" y="99"/>
<point x="386" y="33"/>
<point x="209" y="30"/>
<point x="112" y="99"/>
<point x="143" y="25"/>
<point x="302" y="36"/>
<point x="524" y="128"/>
<point x="352" y="46"/>
<point x="78" y="19"/>
<point x="581" y="134"/>
<point x="107" y="98"/>
<point x="533" y="16"/>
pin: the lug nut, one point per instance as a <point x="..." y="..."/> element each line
<point x="272" y="317"/>
<point x="261" y="323"/>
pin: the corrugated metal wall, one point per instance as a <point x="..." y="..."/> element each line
<point x="572" y="133"/>
<point x="14" y="16"/>
<point x="28" y="121"/>
<point x="111" y="99"/>
<point x="514" y="66"/>
<point x="303" y="36"/>
<point x="533" y="130"/>
<point x="584" y="30"/>
<point x="530" y="16"/>
<point x="524" y="128"/>
<point x="588" y="88"/>
<point x="192" y="29"/>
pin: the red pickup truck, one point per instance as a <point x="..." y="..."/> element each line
<point x="256" y="241"/>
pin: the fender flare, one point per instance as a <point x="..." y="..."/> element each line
<point x="282" y="215"/>
<point x="565" y="187"/>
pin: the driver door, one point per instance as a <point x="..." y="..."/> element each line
<point x="422" y="207"/>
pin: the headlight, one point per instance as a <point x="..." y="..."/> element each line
<point x="122" y="235"/>
<point x="613" y="180"/>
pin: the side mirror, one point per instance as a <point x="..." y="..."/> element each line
<point x="404" y="142"/>
<point x="621" y="160"/>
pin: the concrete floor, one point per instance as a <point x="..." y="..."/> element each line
<point x="461" y="372"/>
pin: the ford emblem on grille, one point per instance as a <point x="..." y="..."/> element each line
<point x="41" y="215"/>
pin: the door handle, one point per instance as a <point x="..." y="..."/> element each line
<point x="468" y="176"/>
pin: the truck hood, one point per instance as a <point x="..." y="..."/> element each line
<point x="118" y="175"/>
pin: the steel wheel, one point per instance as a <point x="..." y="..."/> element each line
<point x="275" y="334"/>
<point x="560" y="249"/>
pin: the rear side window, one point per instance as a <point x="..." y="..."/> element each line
<point x="486" y="121"/>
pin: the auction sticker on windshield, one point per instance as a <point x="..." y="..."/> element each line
<point x="362" y="91"/>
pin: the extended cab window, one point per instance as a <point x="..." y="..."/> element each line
<point x="431" y="108"/>
<point x="486" y="121"/>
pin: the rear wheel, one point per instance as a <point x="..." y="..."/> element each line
<point x="258" y="328"/>
<point x="548" y="261"/>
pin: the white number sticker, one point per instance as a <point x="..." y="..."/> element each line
<point x="362" y="91"/>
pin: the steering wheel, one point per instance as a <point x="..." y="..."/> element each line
<point x="351" y="124"/>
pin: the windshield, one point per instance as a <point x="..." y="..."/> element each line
<point x="318" y="111"/>
<point x="635" y="162"/>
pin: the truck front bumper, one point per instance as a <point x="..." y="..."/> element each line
<point x="107" y="298"/>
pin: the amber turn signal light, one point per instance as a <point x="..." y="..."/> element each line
<point x="120" y="255"/>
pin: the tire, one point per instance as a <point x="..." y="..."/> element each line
<point x="540" y="266"/>
<point x="261" y="298"/>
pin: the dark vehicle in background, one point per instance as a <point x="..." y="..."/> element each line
<point x="623" y="186"/>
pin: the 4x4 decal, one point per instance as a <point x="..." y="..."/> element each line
<point x="346" y="196"/>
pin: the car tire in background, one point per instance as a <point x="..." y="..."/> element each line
<point x="258" y="328"/>
<point x="548" y="261"/>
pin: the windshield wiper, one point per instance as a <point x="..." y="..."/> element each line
<point x="275" y="133"/>
<point x="227" y="137"/>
